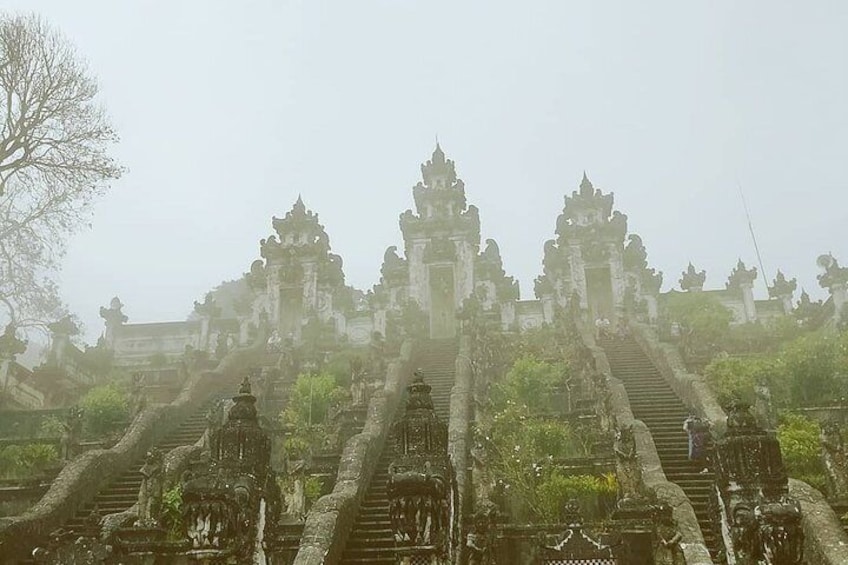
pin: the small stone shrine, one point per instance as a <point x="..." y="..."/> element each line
<point x="760" y="522"/>
<point x="421" y="487"/>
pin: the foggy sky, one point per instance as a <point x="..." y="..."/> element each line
<point x="229" y="110"/>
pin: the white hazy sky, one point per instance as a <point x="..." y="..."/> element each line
<point x="228" y="110"/>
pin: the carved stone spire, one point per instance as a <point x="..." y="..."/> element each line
<point x="783" y="289"/>
<point x="741" y="276"/>
<point x="692" y="280"/>
<point x="114" y="318"/>
<point x="10" y="345"/>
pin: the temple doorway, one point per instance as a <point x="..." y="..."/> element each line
<point x="599" y="293"/>
<point x="291" y="309"/>
<point x="442" y="305"/>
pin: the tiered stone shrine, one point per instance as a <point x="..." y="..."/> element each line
<point x="589" y="263"/>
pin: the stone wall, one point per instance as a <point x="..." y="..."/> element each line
<point x="82" y="478"/>
<point x="692" y="541"/>
<point x="459" y="431"/>
<point x="691" y="388"/>
<point x="825" y="542"/>
<point x="331" y="518"/>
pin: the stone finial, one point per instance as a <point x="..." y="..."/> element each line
<point x="782" y="287"/>
<point x="64" y="327"/>
<point x="114" y="315"/>
<point x="586" y="187"/>
<point x="692" y="280"/>
<point x="209" y="308"/>
<point x="635" y="255"/>
<point x="833" y="275"/>
<point x="438" y="172"/>
<point x="10" y="345"/>
<point x="741" y="276"/>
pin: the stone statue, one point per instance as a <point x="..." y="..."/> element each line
<point x="275" y="343"/>
<point x="71" y="432"/>
<point x="743" y="532"/>
<point x="138" y="401"/>
<point x="357" y="382"/>
<point x="150" y="493"/>
<point x="834" y="459"/>
<point x="376" y="357"/>
<point x="296" y="500"/>
<point x="481" y="537"/>
<point x="221" y="346"/>
<point x="667" y="550"/>
<point x="782" y="539"/>
<point x="628" y="469"/>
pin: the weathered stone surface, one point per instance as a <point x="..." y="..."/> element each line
<point x="691" y="388"/>
<point x="692" y="540"/>
<point x="459" y="430"/>
<point x="825" y="542"/>
<point x="331" y="518"/>
<point x="83" y="477"/>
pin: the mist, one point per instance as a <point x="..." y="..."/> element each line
<point x="227" y="112"/>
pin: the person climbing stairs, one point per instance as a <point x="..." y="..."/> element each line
<point x="655" y="403"/>
<point x="371" y="540"/>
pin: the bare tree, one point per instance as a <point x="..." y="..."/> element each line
<point x="54" y="162"/>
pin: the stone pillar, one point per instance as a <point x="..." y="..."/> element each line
<point x="60" y="334"/>
<point x="748" y="301"/>
<point x="651" y="302"/>
<point x="783" y="290"/>
<point x="834" y="279"/>
<point x="742" y="278"/>
<point x="114" y="318"/>
<point x="207" y="311"/>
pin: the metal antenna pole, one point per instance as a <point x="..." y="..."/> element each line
<point x="753" y="237"/>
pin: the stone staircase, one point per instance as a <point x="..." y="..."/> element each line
<point x="371" y="540"/>
<point x="653" y="401"/>
<point x="122" y="493"/>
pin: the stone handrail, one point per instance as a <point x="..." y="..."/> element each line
<point x="692" y="539"/>
<point x="690" y="387"/>
<point x="331" y="518"/>
<point x="825" y="541"/>
<point x="459" y="430"/>
<point x="81" y="479"/>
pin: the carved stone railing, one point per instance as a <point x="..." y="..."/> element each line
<point x="825" y="542"/>
<point x="82" y="478"/>
<point x="692" y="539"/>
<point x="459" y="432"/>
<point x="331" y="518"/>
<point x="690" y="387"/>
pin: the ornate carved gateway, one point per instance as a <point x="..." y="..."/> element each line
<point x="760" y="522"/>
<point x="421" y="488"/>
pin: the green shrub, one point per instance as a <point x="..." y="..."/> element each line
<point x="307" y="413"/>
<point x="595" y="495"/>
<point x="172" y="505"/>
<point x="51" y="427"/>
<point x="799" y="444"/>
<point x="105" y="408"/>
<point x="530" y="382"/>
<point x="26" y="461"/>
<point x="737" y="377"/>
<point x="703" y="321"/>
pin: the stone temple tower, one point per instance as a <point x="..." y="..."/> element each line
<point x="586" y="261"/>
<point x="442" y="239"/>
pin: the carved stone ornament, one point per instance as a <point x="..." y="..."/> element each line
<point x="741" y="276"/>
<point x="692" y="280"/>
<point x="221" y="497"/>
<point x="782" y="287"/>
<point x="421" y="483"/>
